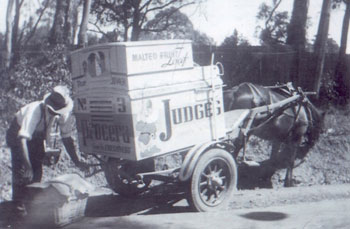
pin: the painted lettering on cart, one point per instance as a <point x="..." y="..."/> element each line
<point x="177" y="61"/>
<point x="113" y="148"/>
<point x="104" y="132"/>
<point x="186" y="114"/>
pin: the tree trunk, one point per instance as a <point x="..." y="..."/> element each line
<point x="32" y="32"/>
<point x="82" y="37"/>
<point x="67" y="30"/>
<point x="320" y="44"/>
<point x="16" y="46"/>
<point x="296" y="36"/>
<point x="57" y="30"/>
<point x="136" y="28"/>
<point x="75" y="25"/>
<point x="342" y="86"/>
<point x="8" y="38"/>
<point x="125" y="20"/>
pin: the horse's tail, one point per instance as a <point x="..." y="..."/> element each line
<point x="314" y="130"/>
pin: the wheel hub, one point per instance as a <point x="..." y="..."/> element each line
<point x="214" y="180"/>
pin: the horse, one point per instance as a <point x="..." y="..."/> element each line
<point x="292" y="129"/>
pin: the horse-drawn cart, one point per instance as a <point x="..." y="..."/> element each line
<point x="147" y="112"/>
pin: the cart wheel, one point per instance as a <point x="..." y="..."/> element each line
<point x="214" y="179"/>
<point x="120" y="183"/>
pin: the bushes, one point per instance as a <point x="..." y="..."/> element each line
<point x="328" y="93"/>
<point x="35" y="74"/>
<point x="33" y="77"/>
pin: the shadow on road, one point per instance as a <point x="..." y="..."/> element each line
<point x="265" y="216"/>
<point x="162" y="199"/>
<point x="156" y="202"/>
<point x="251" y="177"/>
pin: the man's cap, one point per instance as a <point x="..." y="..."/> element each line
<point x="59" y="101"/>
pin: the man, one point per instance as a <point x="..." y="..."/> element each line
<point x="26" y="137"/>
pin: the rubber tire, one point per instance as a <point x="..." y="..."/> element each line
<point x="194" y="199"/>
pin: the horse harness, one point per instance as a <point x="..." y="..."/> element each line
<point x="287" y="89"/>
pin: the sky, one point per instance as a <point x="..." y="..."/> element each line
<point x="218" y="18"/>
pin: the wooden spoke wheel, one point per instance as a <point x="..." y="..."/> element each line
<point x="213" y="182"/>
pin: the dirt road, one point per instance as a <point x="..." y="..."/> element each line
<point x="301" y="207"/>
<point x="323" y="214"/>
<point x="322" y="206"/>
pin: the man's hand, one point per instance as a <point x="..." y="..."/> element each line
<point x="27" y="172"/>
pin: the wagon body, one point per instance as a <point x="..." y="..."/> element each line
<point x="136" y="100"/>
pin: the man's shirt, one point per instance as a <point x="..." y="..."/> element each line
<point x="31" y="119"/>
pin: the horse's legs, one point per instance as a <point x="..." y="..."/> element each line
<point x="288" y="181"/>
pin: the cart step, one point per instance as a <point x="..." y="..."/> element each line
<point x="251" y="163"/>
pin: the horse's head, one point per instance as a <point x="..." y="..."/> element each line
<point x="315" y="128"/>
<point x="318" y="117"/>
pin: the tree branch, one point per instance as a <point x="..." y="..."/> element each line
<point x="169" y="15"/>
<point x="99" y="30"/>
<point x="163" y="6"/>
<point x="145" y="5"/>
<point x="36" y="23"/>
<point x="272" y="12"/>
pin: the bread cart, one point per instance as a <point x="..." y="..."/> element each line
<point x="148" y="112"/>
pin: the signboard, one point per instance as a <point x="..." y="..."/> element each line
<point x="158" y="58"/>
<point x="105" y="125"/>
<point x="132" y="58"/>
<point x="169" y="123"/>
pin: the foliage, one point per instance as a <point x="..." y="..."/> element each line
<point x="234" y="40"/>
<point x="134" y="15"/>
<point x="32" y="77"/>
<point x="274" y="30"/>
<point x="178" y="26"/>
<point x="328" y="93"/>
<point x="199" y="38"/>
<point x="332" y="46"/>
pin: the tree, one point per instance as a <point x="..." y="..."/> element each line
<point x="234" y="40"/>
<point x="34" y="26"/>
<point x="8" y="38"/>
<point x="274" y="30"/>
<point x="342" y="86"/>
<point x="320" y="44"/>
<point x="133" y="14"/>
<point x="59" y="27"/>
<point x="15" y="35"/>
<point x="178" y="26"/>
<point x="296" y="36"/>
<point x="331" y="46"/>
<point x="82" y="37"/>
<point x="199" y="38"/>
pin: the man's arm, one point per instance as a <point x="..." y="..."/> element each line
<point x="69" y="145"/>
<point x="27" y="166"/>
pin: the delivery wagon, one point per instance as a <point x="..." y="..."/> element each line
<point x="148" y="112"/>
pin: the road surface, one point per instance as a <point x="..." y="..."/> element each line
<point x="323" y="214"/>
